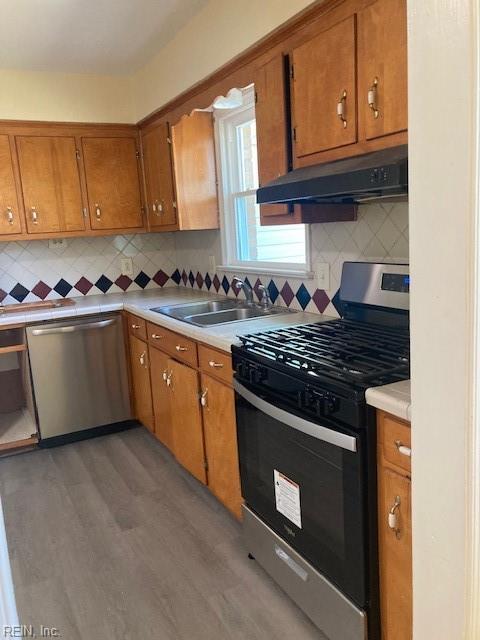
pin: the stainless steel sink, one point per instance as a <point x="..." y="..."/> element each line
<point x="213" y="312"/>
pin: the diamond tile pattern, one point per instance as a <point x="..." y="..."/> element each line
<point x="83" y="285"/>
<point x="19" y="292"/>
<point x="41" y="290"/>
<point x="123" y="282"/>
<point x="62" y="287"/>
<point x="142" y="279"/>
<point x="104" y="284"/>
<point x="287" y="294"/>
<point x="161" y="278"/>
<point x="303" y="296"/>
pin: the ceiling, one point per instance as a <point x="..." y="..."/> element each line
<point x="88" y="36"/>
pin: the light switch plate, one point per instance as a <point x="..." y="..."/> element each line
<point x="57" y="243"/>
<point x="212" y="264"/>
<point x="126" y="266"/>
<point x="322" y="273"/>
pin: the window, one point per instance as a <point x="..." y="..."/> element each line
<point x="245" y="243"/>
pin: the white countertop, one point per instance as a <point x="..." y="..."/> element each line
<point x="393" y="398"/>
<point x="140" y="303"/>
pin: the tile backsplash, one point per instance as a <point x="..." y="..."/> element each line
<point x="31" y="271"/>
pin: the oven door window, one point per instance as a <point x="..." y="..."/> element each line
<point x="307" y="490"/>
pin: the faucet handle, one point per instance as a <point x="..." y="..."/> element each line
<point x="265" y="300"/>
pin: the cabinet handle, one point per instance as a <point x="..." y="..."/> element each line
<point x="154" y="208"/>
<point x="143" y="359"/>
<point x="98" y="211"/>
<point x="403" y="449"/>
<point x="167" y="377"/>
<point x="158" y="206"/>
<point x="203" y="398"/>
<point x="135" y="326"/>
<point x="34" y="215"/>
<point x="341" y="104"/>
<point x="10" y="215"/>
<point x="372" y="98"/>
<point x="393" y="517"/>
<point x="157" y="336"/>
<point x="215" y="365"/>
<point x="179" y="347"/>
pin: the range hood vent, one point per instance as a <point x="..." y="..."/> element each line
<point x="373" y="176"/>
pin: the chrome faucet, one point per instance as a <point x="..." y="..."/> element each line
<point x="247" y="289"/>
<point x="265" y="301"/>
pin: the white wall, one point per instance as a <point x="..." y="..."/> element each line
<point x="217" y="33"/>
<point x="442" y="136"/>
<point x="66" y="97"/>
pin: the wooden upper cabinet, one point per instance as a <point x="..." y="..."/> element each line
<point x="186" y="419"/>
<point x="157" y="163"/>
<point x="50" y="183"/>
<point x="10" y="221"/>
<point x="193" y="150"/>
<point x="113" y="182"/>
<point x="324" y="90"/>
<point x="382" y="68"/>
<point x="272" y="129"/>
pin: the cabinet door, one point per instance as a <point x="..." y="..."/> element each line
<point x="220" y="427"/>
<point x="113" y="185"/>
<point x="395" y="555"/>
<point x="195" y="173"/>
<point x="324" y="86"/>
<point x="272" y="129"/>
<point x="382" y="67"/>
<point x="157" y="161"/>
<point x="9" y="212"/>
<point x="161" y="396"/>
<point x="142" y="393"/>
<point x="187" y="419"/>
<point x="50" y="183"/>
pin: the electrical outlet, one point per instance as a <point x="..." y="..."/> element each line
<point x="322" y="272"/>
<point x="126" y="266"/>
<point x="57" y="243"/>
<point x="212" y="264"/>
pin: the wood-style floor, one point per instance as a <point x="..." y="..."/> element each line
<point x="109" y="538"/>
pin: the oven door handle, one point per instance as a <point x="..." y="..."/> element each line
<point x="336" y="438"/>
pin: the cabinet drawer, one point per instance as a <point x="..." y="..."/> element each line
<point x="215" y="363"/>
<point x="173" y="343"/>
<point x="396" y="441"/>
<point x="137" y="327"/>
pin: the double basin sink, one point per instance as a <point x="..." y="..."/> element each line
<point x="212" y="312"/>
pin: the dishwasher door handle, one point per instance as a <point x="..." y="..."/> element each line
<point x="73" y="328"/>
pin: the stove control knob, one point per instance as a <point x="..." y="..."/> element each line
<point x="331" y="404"/>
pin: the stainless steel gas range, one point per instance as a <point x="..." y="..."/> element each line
<point x="307" y="447"/>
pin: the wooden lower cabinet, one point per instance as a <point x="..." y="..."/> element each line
<point x="220" y="431"/>
<point x="394" y="535"/>
<point x="186" y="419"/>
<point x="142" y="392"/>
<point x="161" y="397"/>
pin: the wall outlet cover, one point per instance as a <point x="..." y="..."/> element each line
<point x="126" y="266"/>
<point x="322" y="273"/>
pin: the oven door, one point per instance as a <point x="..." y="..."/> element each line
<point x="307" y="482"/>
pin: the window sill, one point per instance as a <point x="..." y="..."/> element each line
<point x="302" y="274"/>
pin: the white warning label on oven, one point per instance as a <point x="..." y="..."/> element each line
<point x="287" y="498"/>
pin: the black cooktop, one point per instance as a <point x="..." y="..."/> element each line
<point x="356" y="353"/>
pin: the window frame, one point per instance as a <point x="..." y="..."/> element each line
<point x="228" y="167"/>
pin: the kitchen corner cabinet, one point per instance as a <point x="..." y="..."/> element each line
<point x="10" y="217"/>
<point x="141" y="387"/>
<point x="394" y="527"/>
<point x="193" y="405"/>
<point x="160" y="194"/>
<point x="112" y="172"/>
<point x="193" y="150"/>
<point x="51" y="186"/>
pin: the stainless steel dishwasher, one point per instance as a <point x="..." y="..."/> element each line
<point x="80" y="380"/>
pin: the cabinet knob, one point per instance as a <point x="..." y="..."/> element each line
<point x="372" y="98"/>
<point x="393" y="517"/>
<point x="143" y="359"/>
<point x="154" y="207"/>
<point x="159" y="206"/>
<point x="34" y="215"/>
<point x="98" y="211"/>
<point x="203" y="398"/>
<point x="403" y="449"/>
<point x="157" y="336"/>
<point x="341" y="108"/>
<point x="135" y="326"/>
<point x="215" y="365"/>
<point x="179" y="347"/>
<point x="10" y="215"/>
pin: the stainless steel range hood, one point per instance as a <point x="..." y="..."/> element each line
<point x="373" y="176"/>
